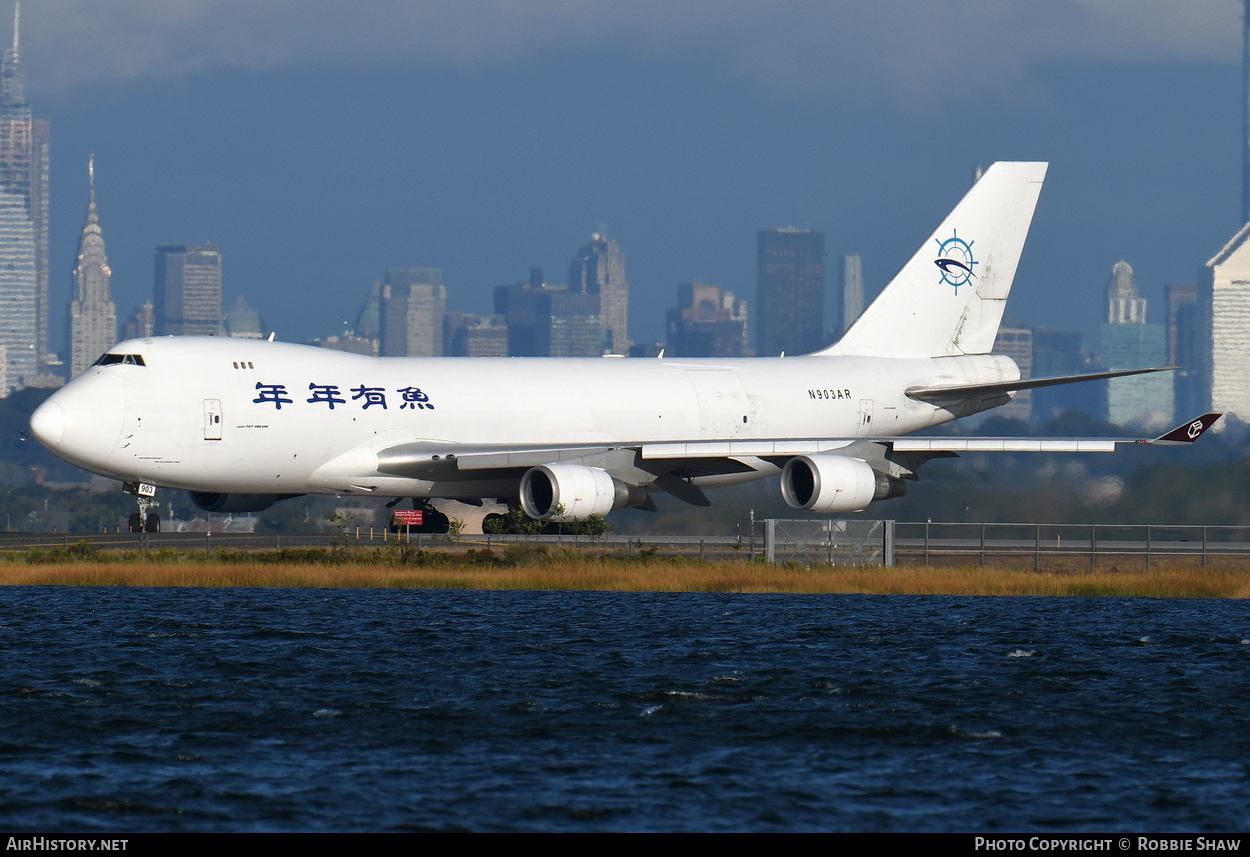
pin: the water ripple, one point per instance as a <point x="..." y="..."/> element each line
<point x="272" y="710"/>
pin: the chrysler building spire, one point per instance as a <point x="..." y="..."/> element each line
<point x="92" y="315"/>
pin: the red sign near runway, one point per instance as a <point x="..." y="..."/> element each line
<point x="409" y="517"/>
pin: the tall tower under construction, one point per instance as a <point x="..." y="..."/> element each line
<point x="1245" y="113"/>
<point x="92" y="315"/>
<point x="1220" y="376"/>
<point x="24" y="160"/>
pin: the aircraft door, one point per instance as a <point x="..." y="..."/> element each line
<point x="212" y="419"/>
<point x="863" y="424"/>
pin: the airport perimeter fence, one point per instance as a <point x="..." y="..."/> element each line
<point x="815" y="542"/>
<point x="1071" y="545"/>
<point x="810" y="542"/>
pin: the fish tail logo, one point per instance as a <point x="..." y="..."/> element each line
<point x="955" y="260"/>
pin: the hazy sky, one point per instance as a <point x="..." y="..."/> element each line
<point x="319" y="143"/>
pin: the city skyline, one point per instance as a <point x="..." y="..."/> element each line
<point x="440" y="152"/>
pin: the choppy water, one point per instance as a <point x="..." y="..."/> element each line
<point x="254" y="710"/>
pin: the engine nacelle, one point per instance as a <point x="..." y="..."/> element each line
<point x="211" y="502"/>
<point x="834" y="483"/>
<point x="574" y="492"/>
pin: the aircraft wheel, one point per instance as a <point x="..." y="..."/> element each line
<point x="133" y="521"/>
<point x="154" y="523"/>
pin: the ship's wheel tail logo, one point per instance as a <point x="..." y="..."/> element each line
<point x="955" y="261"/>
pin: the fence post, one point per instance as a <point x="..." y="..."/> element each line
<point x="983" y="546"/>
<point x="1204" y="545"/>
<point x="1147" y="547"/>
<point x="887" y="549"/>
<point x="926" y="543"/>
<point x="1093" y="541"/>
<point x="1037" y="547"/>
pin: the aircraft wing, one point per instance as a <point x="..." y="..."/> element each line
<point x="1185" y="433"/>
<point x="867" y="467"/>
<point x="425" y="459"/>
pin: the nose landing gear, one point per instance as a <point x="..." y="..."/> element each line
<point x="143" y="521"/>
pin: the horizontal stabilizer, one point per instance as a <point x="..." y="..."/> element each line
<point x="963" y="391"/>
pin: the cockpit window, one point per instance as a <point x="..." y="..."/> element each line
<point x="107" y="359"/>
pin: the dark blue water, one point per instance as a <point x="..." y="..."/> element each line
<point x="255" y="710"/>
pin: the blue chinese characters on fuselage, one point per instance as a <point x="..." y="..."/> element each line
<point x="330" y="395"/>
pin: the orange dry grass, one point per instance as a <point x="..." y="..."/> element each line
<point x="655" y="575"/>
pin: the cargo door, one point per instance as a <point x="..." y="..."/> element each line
<point x="212" y="419"/>
<point x="863" y="424"/>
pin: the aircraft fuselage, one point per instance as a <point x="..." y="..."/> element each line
<point x="216" y="414"/>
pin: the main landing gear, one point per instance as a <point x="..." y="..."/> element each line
<point x="143" y="521"/>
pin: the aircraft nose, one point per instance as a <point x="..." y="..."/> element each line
<point x="82" y="421"/>
<point x="47" y="424"/>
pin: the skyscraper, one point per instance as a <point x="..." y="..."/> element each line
<point x="187" y="298"/>
<point x="599" y="269"/>
<point x="243" y="322"/>
<point x="92" y="315"/>
<point x="1181" y="307"/>
<point x="23" y="222"/>
<point x="142" y="323"/>
<point x="466" y="335"/>
<point x="1245" y="112"/>
<point x="411" y="313"/>
<point x="852" y="291"/>
<point x="550" y="321"/>
<point x="790" y="293"/>
<point x="1015" y="340"/>
<point x="1058" y="352"/>
<point x="708" y="322"/>
<point x="1224" y="327"/>
<point x="1128" y="342"/>
<point x="1124" y="304"/>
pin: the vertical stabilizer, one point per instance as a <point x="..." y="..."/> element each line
<point x="949" y="298"/>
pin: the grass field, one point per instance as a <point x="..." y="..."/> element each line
<point x="546" y="568"/>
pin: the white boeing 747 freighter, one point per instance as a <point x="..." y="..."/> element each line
<point x="243" y="423"/>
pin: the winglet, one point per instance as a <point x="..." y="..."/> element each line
<point x="1187" y="432"/>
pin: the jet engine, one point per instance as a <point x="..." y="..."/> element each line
<point x="834" y="483"/>
<point x="574" y="492"/>
<point x="211" y="502"/>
